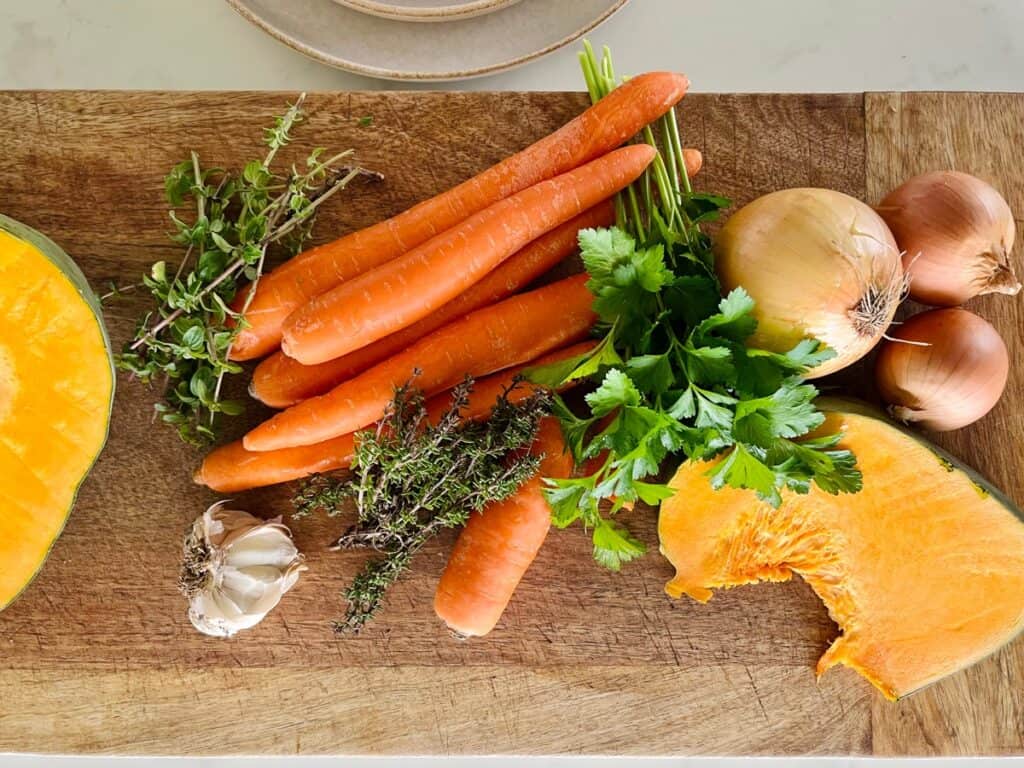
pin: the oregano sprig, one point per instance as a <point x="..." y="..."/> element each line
<point x="238" y="219"/>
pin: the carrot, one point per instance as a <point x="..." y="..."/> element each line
<point x="231" y="468"/>
<point x="601" y="128"/>
<point x="486" y="391"/>
<point x="491" y="339"/>
<point x="498" y="544"/>
<point x="418" y="283"/>
<point x="279" y="381"/>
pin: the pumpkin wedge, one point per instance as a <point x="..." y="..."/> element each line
<point x="923" y="570"/>
<point x="56" y="391"/>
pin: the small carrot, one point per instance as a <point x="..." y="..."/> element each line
<point x="498" y="544"/>
<point x="513" y="331"/>
<point x="409" y="288"/>
<point x="613" y="120"/>
<point x="486" y="391"/>
<point x="231" y="468"/>
<point x="280" y="382"/>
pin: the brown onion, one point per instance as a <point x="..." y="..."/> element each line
<point x="956" y="232"/>
<point x="817" y="263"/>
<point x="942" y="369"/>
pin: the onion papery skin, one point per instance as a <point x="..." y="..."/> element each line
<point x="818" y="263"/>
<point x="951" y="374"/>
<point x="957" y="234"/>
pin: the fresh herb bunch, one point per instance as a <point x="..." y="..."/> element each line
<point x="413" y="479"/>
<point x="185" y="344"/>
<point x="675" y="374"/>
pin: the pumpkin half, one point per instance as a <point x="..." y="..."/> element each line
<point x="923" y="570"/>
<point x="56" y="391"/>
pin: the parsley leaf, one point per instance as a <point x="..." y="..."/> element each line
<point x="613" y="545"/>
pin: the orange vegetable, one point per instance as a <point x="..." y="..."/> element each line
<point x="923" y="569"/>
<point x="231" y="468"/>
<point x="409" y="288"/>
<point x="498" y="544"/>
<point x="488" y="340"/>
<point x="56" y="392"/>
<point x="279" y="381"/>
<point x="601" y="128"/>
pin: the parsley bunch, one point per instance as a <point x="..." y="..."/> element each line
<point x="675" y="375"/>
<point x="185" y="344"/>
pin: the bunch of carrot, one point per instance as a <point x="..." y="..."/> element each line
<point x="435" y="291"/>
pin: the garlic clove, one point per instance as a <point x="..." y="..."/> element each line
<point x="253" y="589"/>
<point x="291" y="576"/>
<point x="261" y="546"/>
<point x="234" y="525"/>
<point x="214" y="614"/>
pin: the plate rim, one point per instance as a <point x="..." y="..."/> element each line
<point x="438" y="13"/>
<point x="240" y="7"/>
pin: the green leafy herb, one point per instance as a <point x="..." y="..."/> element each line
<point x="239" y="218"/>
<point x="413" y="479"/>
<point x="675" y="375"/>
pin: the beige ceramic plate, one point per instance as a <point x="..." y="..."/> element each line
<point x="403" y="50"/>
<point x="427" y="10"/>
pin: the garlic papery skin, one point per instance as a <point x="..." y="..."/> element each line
<point x="236" y="569"/>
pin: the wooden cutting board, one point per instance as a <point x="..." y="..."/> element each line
<point x="98" y="655"/>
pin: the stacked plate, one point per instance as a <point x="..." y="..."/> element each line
<point x="426" y="39"/>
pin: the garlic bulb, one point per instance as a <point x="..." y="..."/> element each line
<point x="236" y="568"/>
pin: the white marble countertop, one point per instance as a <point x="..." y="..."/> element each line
<point x="729" y="45"/>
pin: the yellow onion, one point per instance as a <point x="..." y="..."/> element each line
<point x="956" y="233"/>
<point x="817" y="263"/>
<point x="942" y="369"/>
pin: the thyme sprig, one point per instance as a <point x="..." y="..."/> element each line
<point x="239" y="219"/>
<point x="413" y="478"/>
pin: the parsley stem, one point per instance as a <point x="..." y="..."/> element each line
<point x="638" y="221"/>
<point x="677" y="145"/>
<point x="589" y="77"/>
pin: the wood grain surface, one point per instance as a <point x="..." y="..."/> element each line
<point x="98" y="655"/>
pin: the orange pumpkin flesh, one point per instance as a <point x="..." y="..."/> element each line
<point x="56" y="388"/>
<point x="923" y="570"/>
